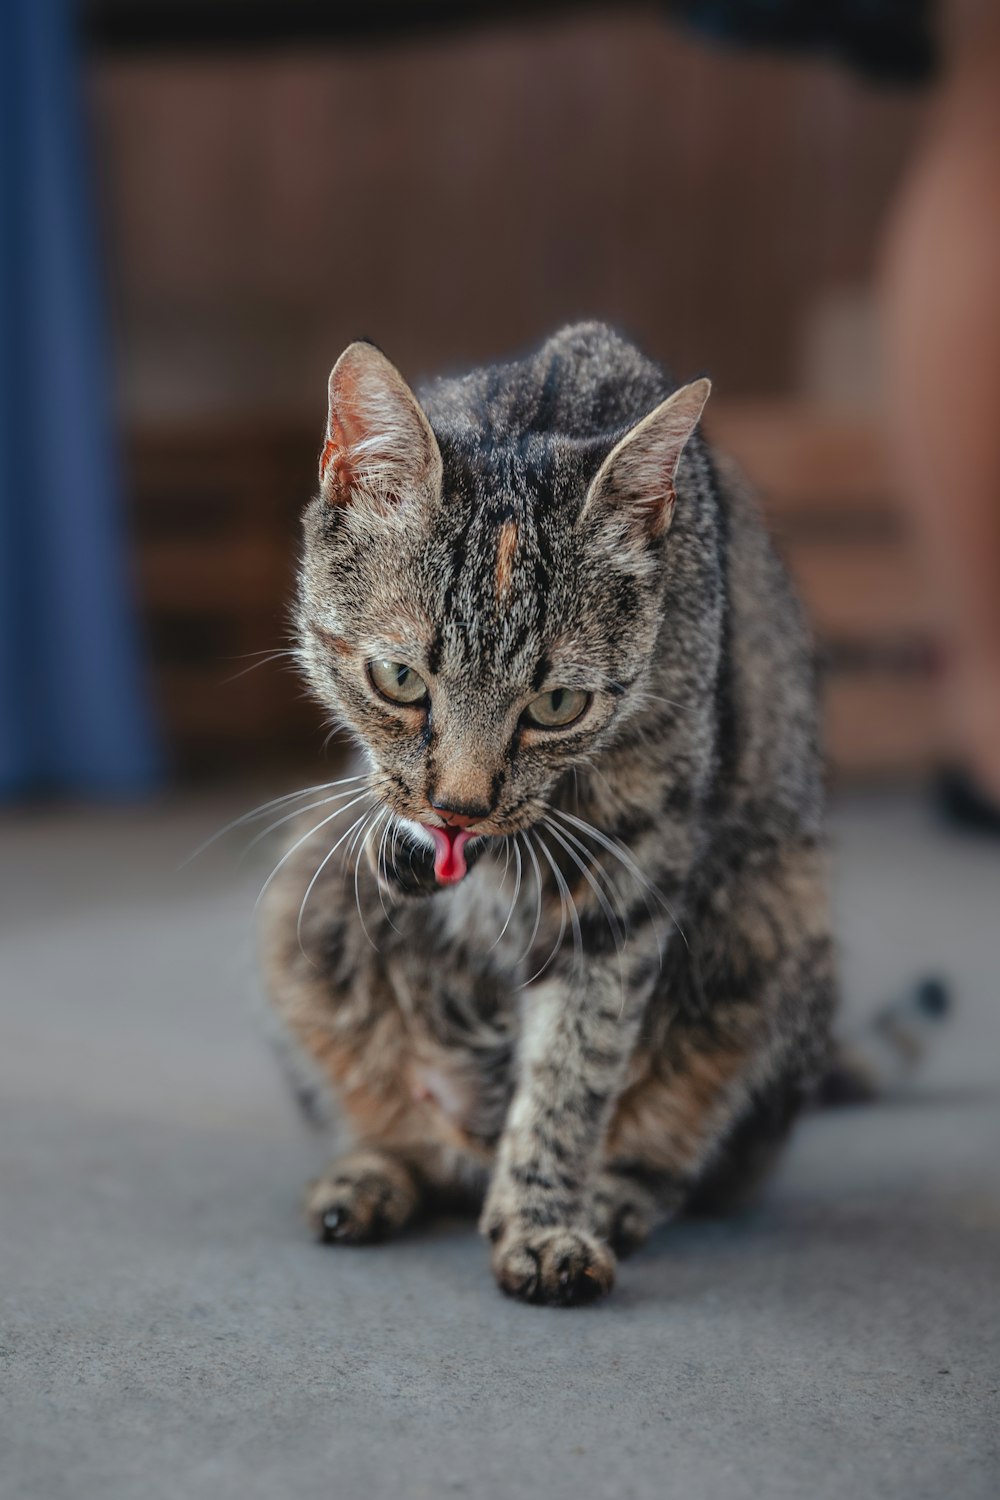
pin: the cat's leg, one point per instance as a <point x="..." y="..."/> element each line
<point x="366" y="1195"/>
<point x="668" y="1155"/>
<point x="578" y="1034"/>
<point x="585" y="1149"/>
<point x="742" y="1037"/>
<point x="373" y="1190"/>
<point x="349" y="1039"/>
<point x="740" y="1167"/>
<point x="634" y="1195"/>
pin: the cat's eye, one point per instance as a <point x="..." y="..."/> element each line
<point x="556" y="709"/>
<point x="397" y="682"/>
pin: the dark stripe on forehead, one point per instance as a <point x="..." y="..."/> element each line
<point x="545" y="410"/>
<point x="544" y="572"/>
<point x="533" y="605"/>
<point x="434" y="652"/>
<point x="626" y="605"/>
<point x="527" y="626"/>
<point x="456" y="565"/>
<point x="537" y="459"/>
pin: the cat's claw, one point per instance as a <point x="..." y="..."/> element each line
<point x="333" y="1220"/>
<point x="337" y="1225"/>
<point x="553" y="1267"/>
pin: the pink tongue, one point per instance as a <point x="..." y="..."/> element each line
<point x="449" y="856"/>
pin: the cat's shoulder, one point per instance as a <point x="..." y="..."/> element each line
<point x="586" y="380"/>
<point x="600" y="381"/>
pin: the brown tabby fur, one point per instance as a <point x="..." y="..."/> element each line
<point x="619" y="1010"/>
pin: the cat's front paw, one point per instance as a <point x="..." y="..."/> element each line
<point x="365" y="1197"/>
<point x="557" y="1267"/>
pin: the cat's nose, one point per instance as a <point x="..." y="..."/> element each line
<point x="459" y="817"/>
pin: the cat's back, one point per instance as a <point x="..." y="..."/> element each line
<point x="770" y="658"/>
<point x="585" y="383"/>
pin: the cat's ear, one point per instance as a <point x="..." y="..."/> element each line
<point x="633" y="490"/>
<point x="379" y="445"/>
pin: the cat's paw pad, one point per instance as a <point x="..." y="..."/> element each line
<point x="556" y="1267"/>
<point x="361" y="1202"/>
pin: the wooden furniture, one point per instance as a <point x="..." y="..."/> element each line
<point x="827" y="494"/>
<point x="214" y="513"/>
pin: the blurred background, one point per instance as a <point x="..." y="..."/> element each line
<point x="237" y="190"/>
<point x="201" y="203"/>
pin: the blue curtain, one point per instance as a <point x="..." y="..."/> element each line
<point x="73" y="717"/>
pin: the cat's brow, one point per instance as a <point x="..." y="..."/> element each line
<point x="540" y="673"/>
<point x="390" y="639"/>
<point x="334" y="642"/>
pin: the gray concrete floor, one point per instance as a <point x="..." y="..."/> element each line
<point x="169" y="1331"/>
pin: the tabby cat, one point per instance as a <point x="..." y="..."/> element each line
<point x="563" y="942"/>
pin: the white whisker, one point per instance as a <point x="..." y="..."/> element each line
<point x="305" y="837"/>
<point x="641" y="692"/>
<point x="593" y="770"/>
<point x="567" y="894"/>
<point x="335" y="729"/>
<point x="613" y="892"/>
<point x="352" y="846"/>
<point x="380" y="864"/>
<point x="517" y="888"/>
<point x="357" y="865"/>
<point x="625" y="858"/>
<point x="316" y="874"/>
<point x="610" y="916"/>
<point x="298" y="812"/>
<point x="538" y="898"/>
<point x="563" y="900"/>
<point x="263" y="809"/>
<point x="265" y="661"/>
<point x="685" y="708"/>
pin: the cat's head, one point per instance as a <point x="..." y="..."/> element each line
<point x="479" y="601"/>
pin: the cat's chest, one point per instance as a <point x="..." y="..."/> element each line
<point x="460" y="1062"/>
<point x="480" y="916"/>
<point x="454" y="978"/>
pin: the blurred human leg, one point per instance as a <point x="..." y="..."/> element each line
<point x="942" y="332"/>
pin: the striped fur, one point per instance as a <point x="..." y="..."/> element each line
<point x="620" y="1008"/>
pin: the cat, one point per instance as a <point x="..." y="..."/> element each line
<point x="562" y="943"/>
